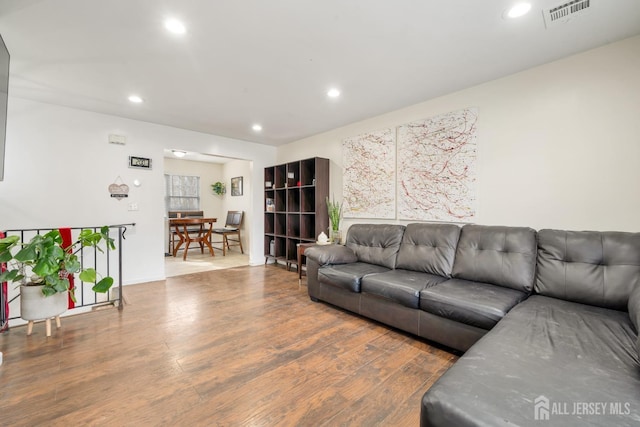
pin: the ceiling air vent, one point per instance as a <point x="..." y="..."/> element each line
<point x="565" y="12"/>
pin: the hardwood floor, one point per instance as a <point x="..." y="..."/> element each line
<point x="197" y="262"/>
<point x="242" y="346"/>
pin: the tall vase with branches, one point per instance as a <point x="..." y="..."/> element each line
<point x="334" y="210"/>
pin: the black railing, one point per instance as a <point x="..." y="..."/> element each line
<point x="101" y="261"/>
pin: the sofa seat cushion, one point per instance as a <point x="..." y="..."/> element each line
<point x="474" y="303"/>
<point x="348" y="276"/>
<point x="546" y="352"/>
<point x="401" y="286"/>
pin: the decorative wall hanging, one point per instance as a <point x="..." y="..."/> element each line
<point x="236" y="186"/>
<point x="119" y="190"/>
<point x="369" y="175"/>
<point x="437" y="168"/>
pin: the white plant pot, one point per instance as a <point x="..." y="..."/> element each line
<point x="35" y="306"/>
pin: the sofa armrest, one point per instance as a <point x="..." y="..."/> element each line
<point x="634" y="313"/>
<point x="331" y="254"/>
<point x="634" y="308"/>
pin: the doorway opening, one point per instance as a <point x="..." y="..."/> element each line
<point x="190" y="179"/>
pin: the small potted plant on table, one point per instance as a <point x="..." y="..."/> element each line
<point x="335" y="212"/>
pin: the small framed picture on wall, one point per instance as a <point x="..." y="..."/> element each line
<point x="236" y="186"/>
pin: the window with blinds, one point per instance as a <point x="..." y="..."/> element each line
<point x="182" y="193"/>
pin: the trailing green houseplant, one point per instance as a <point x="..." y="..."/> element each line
<point x="219" y="188"/>
<point x="46" y="262"/>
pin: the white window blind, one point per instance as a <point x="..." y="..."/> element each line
<point x="182" y="193"/>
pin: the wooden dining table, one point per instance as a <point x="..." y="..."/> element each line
<point x="193" y="230"/>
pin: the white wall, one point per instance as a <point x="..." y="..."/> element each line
<point x="244" y="169"/>
<point x="559" y="145"/>
<point x="59" y="165"/>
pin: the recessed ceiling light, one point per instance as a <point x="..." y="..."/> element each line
<point x="175" y="26"/>
<point x="333" y="93"/>
<point x="136" y="99"/>
<point x="519" y="10"/>
<point x="256" y="127"/>
<point x="179" y="153"/>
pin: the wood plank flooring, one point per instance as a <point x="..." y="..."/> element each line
<point x="237" y="347"/>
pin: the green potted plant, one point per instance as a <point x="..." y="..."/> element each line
<point x="219" y="188"/>
<point x="335" y="212"/>
<point x="43" y="265"/>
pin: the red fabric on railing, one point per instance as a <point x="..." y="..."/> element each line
<point x="65" y="233"/>
<point x="4" y="322"/>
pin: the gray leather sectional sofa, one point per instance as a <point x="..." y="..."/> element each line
<point x="548" y="320"/>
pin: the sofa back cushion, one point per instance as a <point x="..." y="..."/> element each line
<point x="375" y="243"/>
<point x="429" y="248"/>
<point x="504" y="256"/>
<point x="590" y="267"/>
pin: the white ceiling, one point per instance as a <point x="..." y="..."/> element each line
<point x="271" y="62"/>
<point x="196" y="157"/>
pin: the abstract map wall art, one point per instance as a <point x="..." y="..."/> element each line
<point x="369" y="177"/>
<point x="437" y="168"/>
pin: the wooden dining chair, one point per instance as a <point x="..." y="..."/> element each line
<point x="231" y="228"/>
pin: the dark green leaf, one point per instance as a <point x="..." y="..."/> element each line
<point x="8" y="242"/>
<point x="55" y="282"/>
<point x="45" y="267"/>
<point x="9" y="276"/>
<point x="5" y="256"/>
<point x="27" y="253"/>
<point x="47" y="291"/>
<point x="72" y="265"/>
<point x="57" y="252"/>
<point x="103" y="285"/>
<point x="88" y="275"/>
<point x="55" y="236"/>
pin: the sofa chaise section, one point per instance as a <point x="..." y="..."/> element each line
<point x="571" y="344"/>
